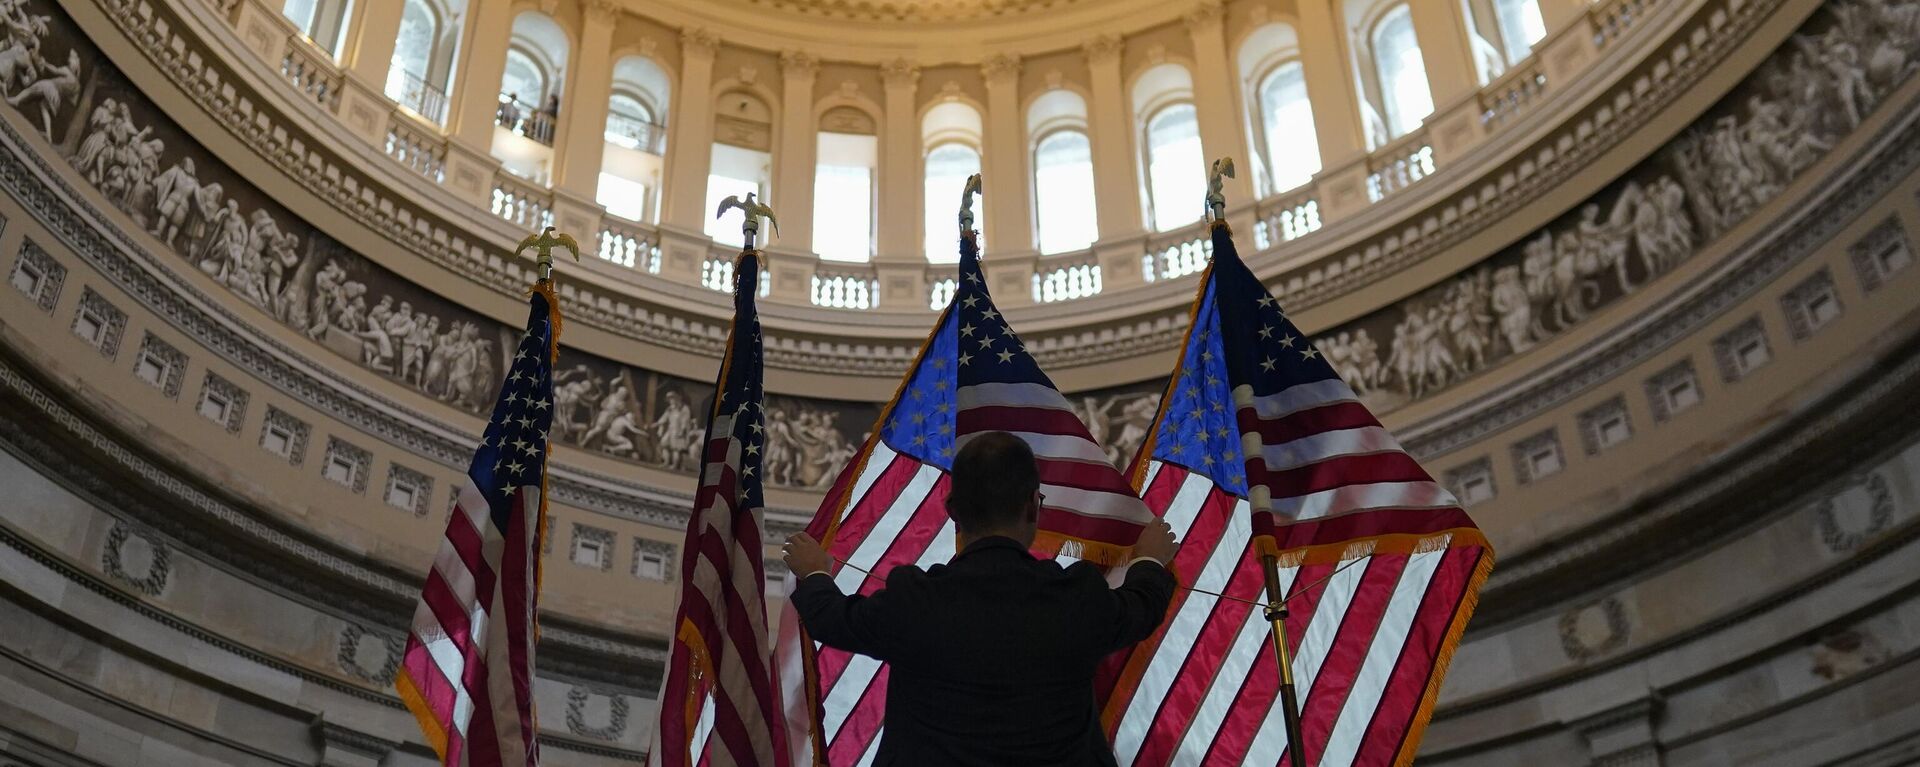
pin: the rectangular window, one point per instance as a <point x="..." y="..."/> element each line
<point x="1751" y="353"/>
<point x="277" y="440"/>
<point x="587" y="552"/>
<point x="26" y="278"/>
<point x="735" y="172"/>
<point x="152" y="369"/>
<point x="400" y="495"/>
<point x="214" y="407"/>
<point x="1682" y="394"/>
<point x="624" y="197"/>
<point x="652" y="566"/>
<point x="88" y="326"/>
<point x="340" y="469"/>
<point x="1475" y="489"/>
<point x="1743" y="350"/>
<point x="1545" y="461"/>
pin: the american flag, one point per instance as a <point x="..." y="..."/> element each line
<point x="467" y="673"/>
<point x="1260" y="448"/>
<point x="887" y="509"/>
<point x="717" y="703"/>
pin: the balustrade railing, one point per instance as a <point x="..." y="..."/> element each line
<point x="424" y="98"/>
<point x="628" y="245"/>
<point x="842" y="288"/>
<point x="311" y="72"/>
<point x="634" y="133"/>
<point x="1077" y="278"/>
<point x="716" y="273"/>
<point x="529" y="120"/>
<point x="521" y="203"/>
<point x="1178" y="253"/>
<point x="416" y="148"/>
<point x="1612" y="18"/>
<point x="1513" y="93"/>
<point x="1399" y="164"/>
<point x="1289" y="215"/>
<point x="941" y="289"/>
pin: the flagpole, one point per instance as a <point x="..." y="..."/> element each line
<point x="1276" y="606"/>
<point x="1276" y="613"/>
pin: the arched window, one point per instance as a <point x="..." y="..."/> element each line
<point x="1292" y="149"/>
<point x="847" y="153"/>
<point x="1521" y="25"/>
<point x="948" y="166"/>
<point x="322" y="21"/>
<point x="951" y="132"/>
<point x="1176" y="167"/>
<point x="1403" y="74"/>
<point x="1065" y="216"/>
<point x="523" y="80"/>
<point x="742" y="159"/>
<point x="413" y="50"/>
<point x="1063" y="191"/>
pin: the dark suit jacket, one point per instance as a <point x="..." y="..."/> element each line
<point x="992" y="656"/>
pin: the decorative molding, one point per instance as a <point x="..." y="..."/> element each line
<point x="902" y="74"/>
<point x="578" y="698"/>
<point x="344" y="453"/>
<point x="369" y="655"/>
<point x="699" y="41"/>
<point x="799" y="65"/>
<point x="588" y="533"/>
<point x="136" y="559"/>
<point x="1677" y="380"/>
<point x="285" y="436"/>
<point x="1883" y="252"/>
<point x="172" y="363"/>
<point x="1742" y="351"/>
<point x="1204" y="18"/>
<point x="1594" y="422"/>
<point x="1595" y="630"/>
<point x="1000" y="69"/>
<point x="235" y="411"/>
<point x="1102" y="49"/>
<point x="1854" y="512"/>
<point x="34" y="268"/>
<point x="98" y="322"/>
<point x="666" y="551"/>
<point x="1811" y="304"/>
<point x="600" y="12"/>
<point x="421" y="486"/>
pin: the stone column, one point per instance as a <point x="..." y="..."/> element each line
<point x="1326" y="62"/>
<point x="367" y="56"/>
<point x="583" y="122"/>
<point x="475" y="99"/>
<point x="1004" y="189"/>
<point x="900" y="263"/>
<point x="682" y="234"/>
<point x="794" y="157"/>
<point x="1116" y="186"/>
<point x="1216" y="99"/>
<point x="1442" y="32"/>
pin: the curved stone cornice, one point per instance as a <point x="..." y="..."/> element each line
<point x="1052" y="329"/>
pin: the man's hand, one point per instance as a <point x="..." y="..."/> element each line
<point x="805" y="557"/>
<point x="1156" y="541"/>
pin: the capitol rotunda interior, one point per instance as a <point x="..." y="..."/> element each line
<point x="1632" y="279"/>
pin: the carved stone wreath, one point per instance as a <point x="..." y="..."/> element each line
<point x="577" y="699"/>
<point x="376" y="662"/>
<point x="1836" y="534"/>
<point x="1577" y="635"/>
<point x="124" y="564"/>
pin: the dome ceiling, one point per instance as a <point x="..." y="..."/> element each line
<point x="913" y="10"/>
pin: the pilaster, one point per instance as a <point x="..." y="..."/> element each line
<point x="900" y="205"/>
<point x="1004" y="181"/>
<point x="1110" y="130"/>
<point x="470" y="172"/>
<point x="577" y="215"/>
<point x="1010" y="278"/>
<point x="791" y="274"/>
<point x="1120" y="260"/>
<point x="794" y="158"/>
<point x="583" y="119"/>
<point x="1442" y="31"/>
<point x="1215" y="97"/>
<point x="1326" y="63"/>
<point x="685" y="195"/>
<point x="371" y="35"/>
<point x="682" y="253"/>
<point x="476" y="86"/>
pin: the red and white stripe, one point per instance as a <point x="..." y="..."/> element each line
<point x="722" y="601"/>
<point x="478" y="605"/>
<point x="1083" y="495"/>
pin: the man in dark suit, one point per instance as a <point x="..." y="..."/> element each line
<point x="993" y="654"/>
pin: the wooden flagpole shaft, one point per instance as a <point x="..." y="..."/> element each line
<point x="1276" y="612"/>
